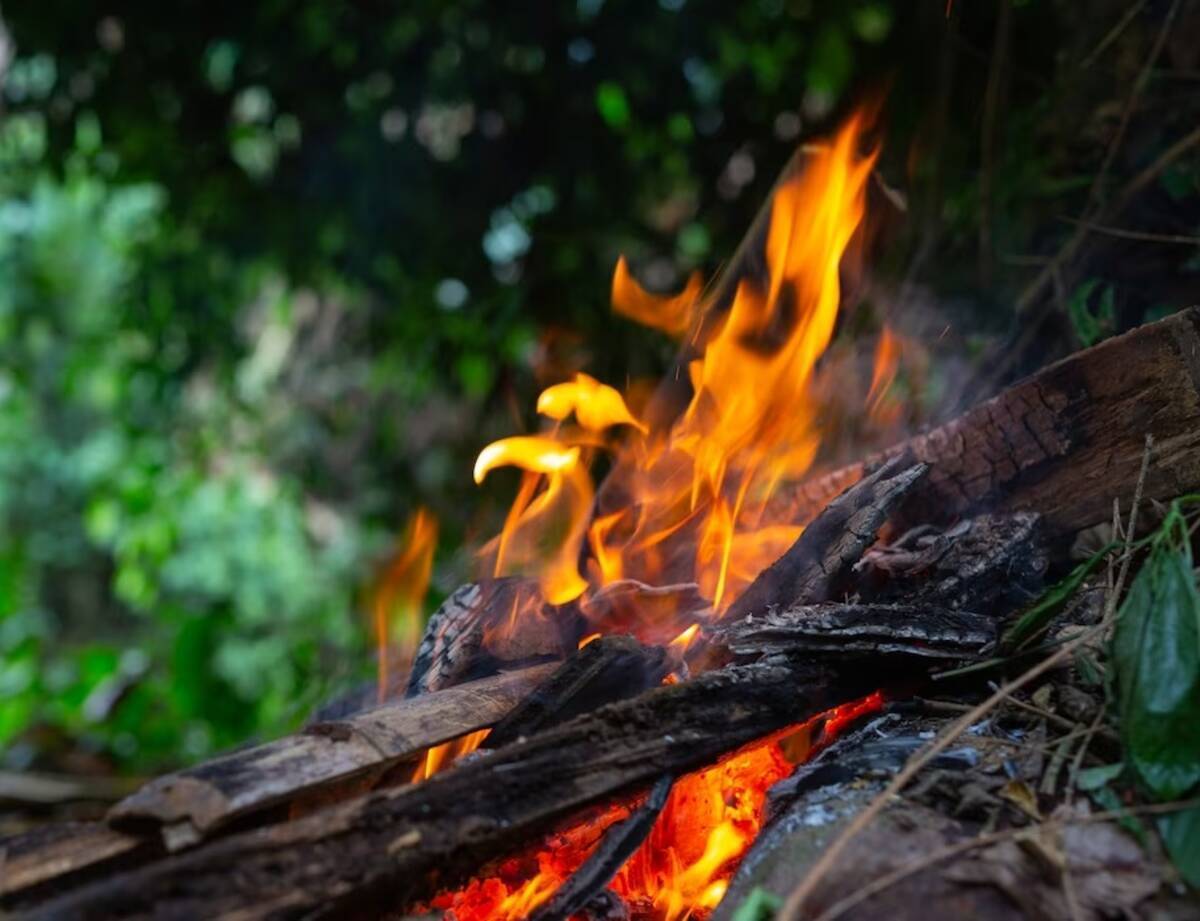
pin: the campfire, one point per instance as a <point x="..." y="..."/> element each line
<point x="688" y="614"/>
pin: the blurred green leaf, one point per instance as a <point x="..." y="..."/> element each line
<point x="613" y="105"/>
<point x="1156" y="655"/>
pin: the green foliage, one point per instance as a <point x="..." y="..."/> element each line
<point x="759" y="905"/>
<point x="1156" y="658"/>
<point x="162" y="593"/>
<point x="1092" y="324"/>
<point x="1034" y="621"/>
<point x="1181" y="834"/>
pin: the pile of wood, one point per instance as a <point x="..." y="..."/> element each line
<point x="917" y="562"/>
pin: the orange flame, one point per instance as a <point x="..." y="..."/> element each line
<point x="887" y="363"/>
<point x="672" y="315"/>
<point x="439" y="757"/>
<point x="694" y="498"/>
<point x="398" y="596"/>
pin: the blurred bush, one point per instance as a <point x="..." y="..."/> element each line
<point x="164" y="590"/>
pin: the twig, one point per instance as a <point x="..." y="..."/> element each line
<point x="1124" y="234"/>
<point x="1113" y="34"/>
<point x="881" y="883"/>
<point x="1131" y="102"/>
<point x="1077" y="761"/>
<point x="795" y="902"/>
<point x="987" y="140"/>
<point x="1110" y="606"/>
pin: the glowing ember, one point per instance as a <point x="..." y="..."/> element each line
<point x="683" y="868"/>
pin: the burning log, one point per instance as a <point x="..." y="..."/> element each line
<point x="1063" y="442"/>
<point x="384" y="849"/>
<point x="359" y="748"/>
<point x="817" y="564"/>
<point x="854" y="630"/>
<point x="486" y="625"/>
<point x="606" y="670"/>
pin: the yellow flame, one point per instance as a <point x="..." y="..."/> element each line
<point x="398" y="596"/>
<point x="596" y="406"/>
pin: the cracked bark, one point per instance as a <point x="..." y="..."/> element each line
<point x="1063" y="442"/>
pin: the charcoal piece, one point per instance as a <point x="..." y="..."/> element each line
<point x="605" y="670"/>
<point x="816" y="567"/>
<point x="616" y="847"/>
<point x="989" y="564"/>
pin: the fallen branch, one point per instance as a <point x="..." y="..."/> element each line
<point x="213" y="794"/>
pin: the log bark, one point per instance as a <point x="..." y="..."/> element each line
<point x="1063" y="442"/>
<point x="840" y="631"/>
<point x="817" y="564"/>
<point x="54" y="854"/>
<point x="212" y="795"/>
<point x="383" y="850"/>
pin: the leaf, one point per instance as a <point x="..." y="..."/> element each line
<point x="1181" y="834"/>
<point x="759" y="905"/>
<point x="1156" y="653"/>
<point x="1096" y="777"/>
<point x="1053" y="600"/>
<point x="1091" y="327"/>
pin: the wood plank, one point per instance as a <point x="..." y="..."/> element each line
<point x="215" y="793"/>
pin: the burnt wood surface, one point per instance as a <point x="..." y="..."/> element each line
<point x="609" y="669"/>
<point x="383" y="850"/>
<point x="215" y="793"/>
<point x="833" y="630"/>
<point x="1063" y="442"/>
<point x="989" y="564"/>
<point x="817" y="564"/>
<point x="33" y="860"/>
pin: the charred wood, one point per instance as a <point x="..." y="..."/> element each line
<point x="840" y="631"/>
<point x="610" y="855"/>
<point x="215" y="793"/>
<point x="1063" y="442"/>
<point x="989" y="564"/>
<point x="817" y="565"/>
<point x="606" y="670"/>
<point x="34" y="861"/>
<point x="385" y="849"/>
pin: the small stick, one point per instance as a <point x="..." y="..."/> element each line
<point x="606" y="860"/>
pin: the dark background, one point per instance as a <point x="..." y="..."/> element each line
<point x="272" y="273"/>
